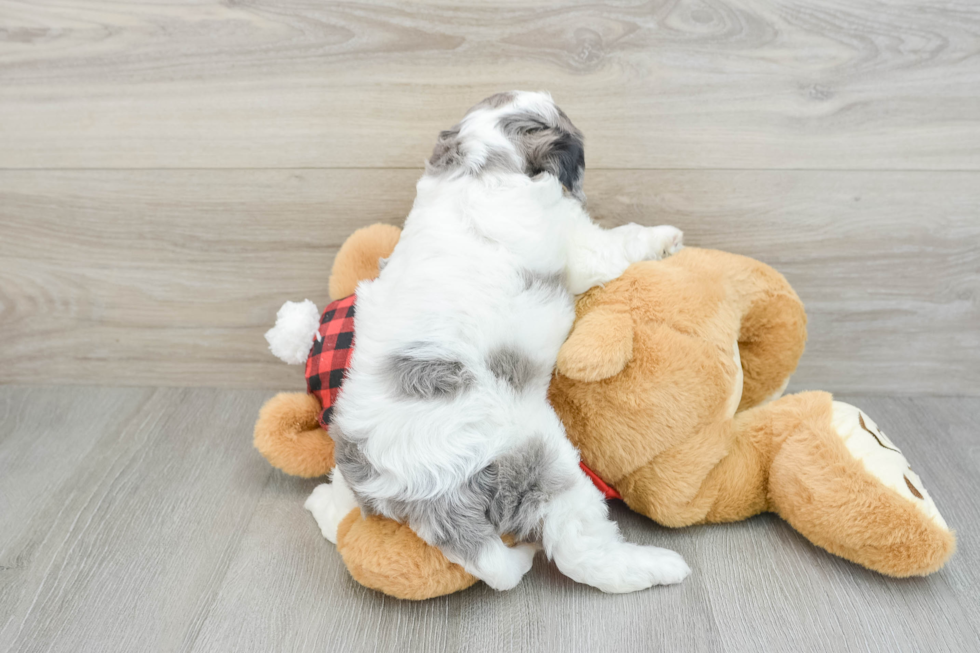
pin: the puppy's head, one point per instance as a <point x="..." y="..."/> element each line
<point x="517" y="131"/>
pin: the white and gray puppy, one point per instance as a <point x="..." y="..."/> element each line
<point x="443" y="422"/>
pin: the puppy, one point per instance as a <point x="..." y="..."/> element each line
<point x="443" y="422"/>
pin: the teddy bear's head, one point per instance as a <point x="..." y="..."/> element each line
<point x="657" y="356"/>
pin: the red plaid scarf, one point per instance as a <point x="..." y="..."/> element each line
<point x="330" y="357"/>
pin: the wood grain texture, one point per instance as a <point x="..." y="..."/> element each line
<point x="171" y="172"/>
<point x="812" y="601"/>
<point x="831" y="84"/>
<point x="887" y="264"/>
<point x="122" y="510"/>
<point x="172" y="277"/>
<point x="141" y="519"/>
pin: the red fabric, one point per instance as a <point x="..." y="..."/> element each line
<point x="329" y="359"/>
<point x="330" y="355"/>
<point x="607" y="490"/>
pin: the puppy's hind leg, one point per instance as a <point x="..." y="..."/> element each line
<point x="587" y="547"/>
<point x="480" y="551"/>
<point x="460" y="524"/>
<point x="330" y="503"/>
<point x="500" y="566"/>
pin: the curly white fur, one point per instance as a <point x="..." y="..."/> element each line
<point x="443" y="421"/>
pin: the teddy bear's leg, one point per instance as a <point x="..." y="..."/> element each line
<point x="715" y="477"/>
<point x="842" y="483"/>
<point x="770" y="343"/>
<point x="772" y="334"/>
<point x="501" y="566"/>
<point x="389" y="557"/>
<point x="770" y="318"/>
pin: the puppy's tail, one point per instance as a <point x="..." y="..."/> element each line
<point x="359" y="256"/>
<point x="289" y="435"/>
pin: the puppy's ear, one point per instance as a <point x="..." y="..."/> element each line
<point x="446" y="154"/>
<point x="559" y="150"/>
<point x="562" y="154"/>
<point x="600" y="345"/>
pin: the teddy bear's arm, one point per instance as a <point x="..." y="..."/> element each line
<point x="290" y="437"/>
<point x="600" y="345"/>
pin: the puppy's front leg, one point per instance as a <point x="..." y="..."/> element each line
<point x="597" y="255"/>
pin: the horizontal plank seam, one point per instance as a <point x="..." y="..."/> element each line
<point x="384" y="168"/>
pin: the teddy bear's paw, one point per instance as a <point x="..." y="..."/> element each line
<point x="330" y="503"/>
<point x="663" y="241"/>
<point x="881" y="458"/>
<point x="640" y="567"/>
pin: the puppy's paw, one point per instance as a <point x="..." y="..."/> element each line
<point x="666" y="567"/>
<point x="505" y="579"/>
<point x="640" y="567"/>
<point x="326" y="510"/>
<point x="524" y="556"/>
<point x="663" y="242"/>
<point x="501" y="567"/>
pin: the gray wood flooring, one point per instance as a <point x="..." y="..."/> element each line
<point x="141" y="519"/>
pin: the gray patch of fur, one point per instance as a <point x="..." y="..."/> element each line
<point x="512" y="366"/>
<point x="522" y="482"/>
<point x="354" y="465"/>
<point x="548" y="281"/>
<point x="546" y="286"/>
<point x="382" y="262"/>
<point x="421" y="375"/>
<point x="507" y="496"/>
<point x="352" y="462"/>
<point x="456" y="521"/>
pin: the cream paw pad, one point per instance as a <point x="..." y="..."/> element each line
<point x="881" y="458"/>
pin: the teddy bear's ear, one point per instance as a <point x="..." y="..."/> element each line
<point x="358" y="258"/>
<point x="600" y="345"/>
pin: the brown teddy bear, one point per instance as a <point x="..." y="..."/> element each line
<point x="669" y="385"/>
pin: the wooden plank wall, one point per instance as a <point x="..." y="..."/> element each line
<point x="170" y="172"/>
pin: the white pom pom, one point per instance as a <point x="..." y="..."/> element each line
<point x="292" y="337"/>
